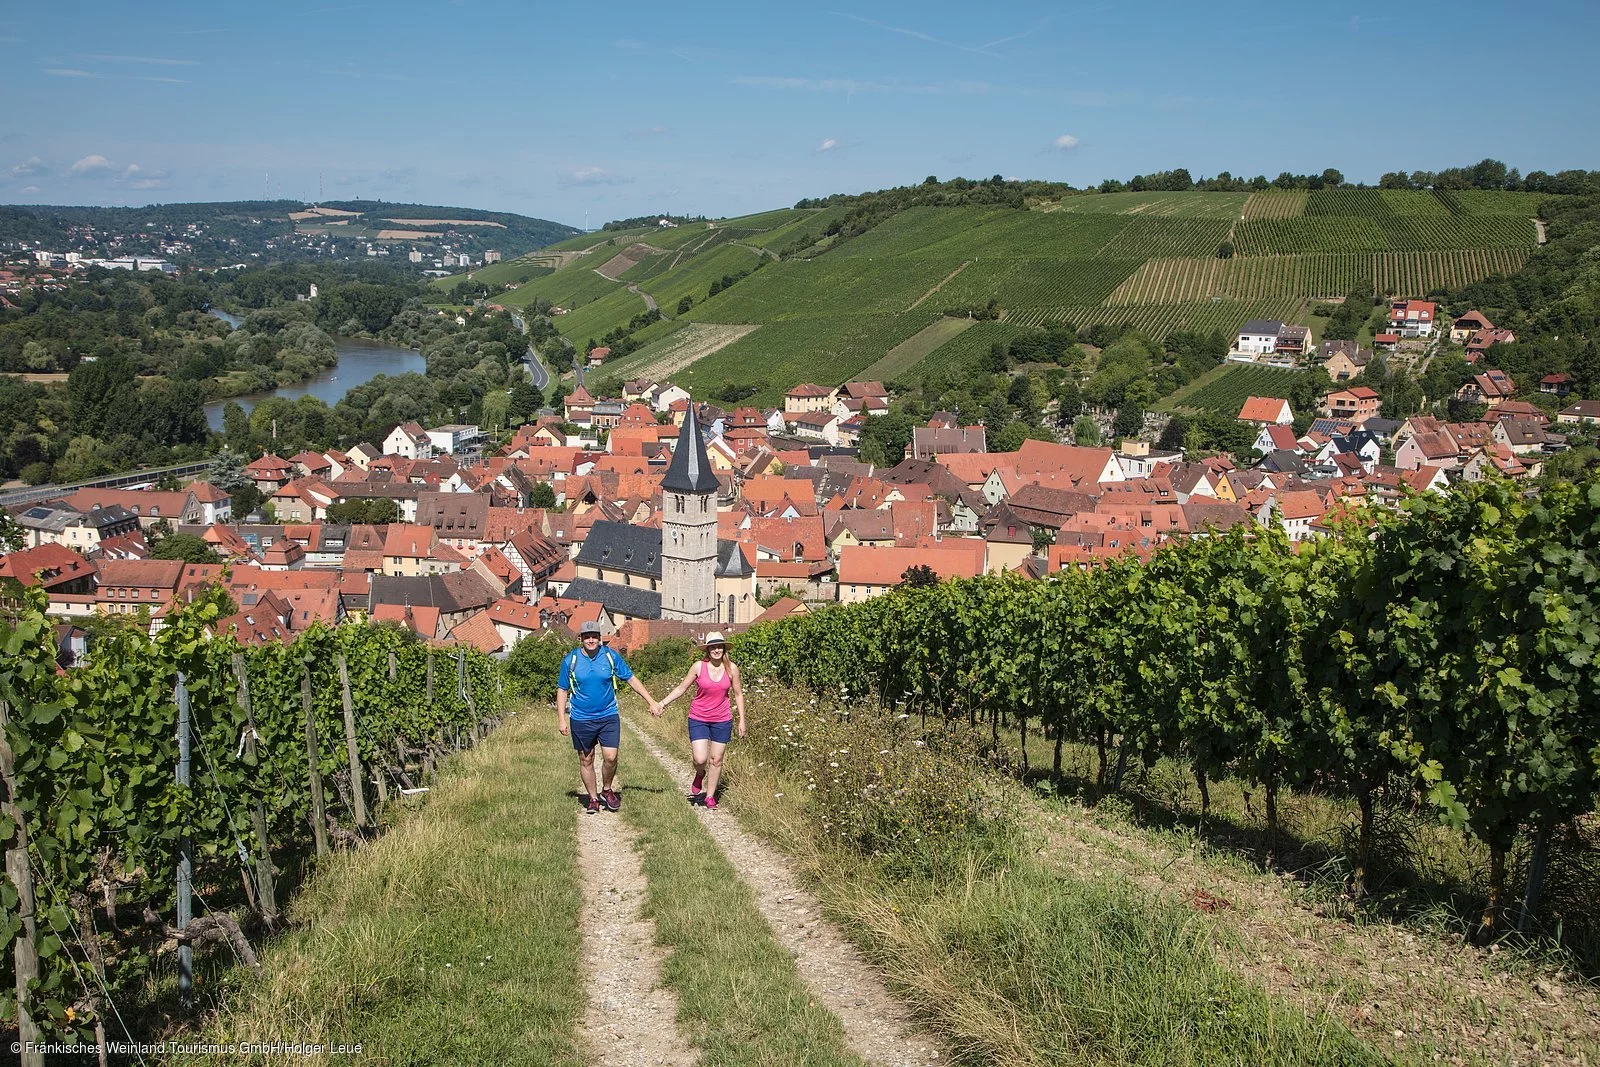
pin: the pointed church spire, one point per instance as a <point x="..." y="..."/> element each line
<point x="690" y="470"/>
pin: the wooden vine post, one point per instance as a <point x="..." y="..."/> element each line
<point x="319" y="814"/>
<point x="185" y="853"/>
<point x="357" y="786"/>
<point x="25" y="949"/>
<point x="266" y="873"/>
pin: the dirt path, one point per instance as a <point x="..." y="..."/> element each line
<point x="631" y="1017"/>
<point x="1538" y="225"/>
<point x="918" y="302"/>
<point x="649" y="301"/>
<point x="877" y="1026"/>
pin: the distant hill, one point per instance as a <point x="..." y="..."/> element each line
<point x="850" y="289"/>
<point x="218" y="234"/>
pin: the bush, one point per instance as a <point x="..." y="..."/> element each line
<point x="35" y="474"/>
<point x="666" y="656"/>
<point x="531" y="670"/>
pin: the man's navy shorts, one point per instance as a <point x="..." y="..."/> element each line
<point x="720" y="732"/>
<point x="589" y="733"/>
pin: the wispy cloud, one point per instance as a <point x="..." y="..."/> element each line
<point x="590" y="176"/>
<point x="648" y="131"/>
<point x="850" y="86"/>
<point x="155" y="61"/>
<point x="31" y="165"/>
<point x="71" y="72"/>
<point x="1065" y="143"/>
<point x="31" y="190"/>
<point x="986" y="49"/>
<point x="832" y="144"/>
<point x="199" y="33"/>
<point x="162" y="81"/>
<point x="629" y="44"/>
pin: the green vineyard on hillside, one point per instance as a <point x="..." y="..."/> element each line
<point x="1145" y="260"/>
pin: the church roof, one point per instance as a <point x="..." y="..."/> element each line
<point x="690" y="471"/>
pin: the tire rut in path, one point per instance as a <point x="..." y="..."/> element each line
<point x="631" y="1017"/>
<point x="877" y="1024"/>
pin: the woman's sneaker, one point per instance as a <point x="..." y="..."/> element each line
<point x="697" y="786"/>
<point x="710" y="802"/>
<point x="611" y="799"/>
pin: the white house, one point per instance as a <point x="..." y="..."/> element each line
<point x="1259" y="337"/>
<point x="454" y="438"/>
<point x="1266" y="411"/>
<point x="669" y="395"/>
<point x="814" y="425"/>
<point x="408" y="440"/>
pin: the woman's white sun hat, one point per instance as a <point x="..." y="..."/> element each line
<point x="714" y="638"/>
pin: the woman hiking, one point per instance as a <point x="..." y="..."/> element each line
<point x="717" y="691"/>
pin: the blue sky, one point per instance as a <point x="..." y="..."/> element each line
<point x="606" y="110"/>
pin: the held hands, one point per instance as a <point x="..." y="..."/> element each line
<point x="656" y="708"/>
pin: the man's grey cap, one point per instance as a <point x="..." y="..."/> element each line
<point x="590" y="627"/>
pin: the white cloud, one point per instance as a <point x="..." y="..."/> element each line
<point x="829" y="145"/>
<point x="91" y="164"/>
<point x="1066" y="142"/>
<point x="157" y="61"/>
<point x="31" y="190"/>
<point x="71" y="72"/>
<point x="31" y="165"/>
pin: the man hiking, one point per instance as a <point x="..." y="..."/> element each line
<point x="587" y="686"/>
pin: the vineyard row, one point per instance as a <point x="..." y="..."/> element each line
<point x="1449" y="652"/>
<point x="293" y="748"/>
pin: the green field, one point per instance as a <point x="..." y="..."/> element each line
<point x="1145" y="260"/>
<point x="1225" y="389"/>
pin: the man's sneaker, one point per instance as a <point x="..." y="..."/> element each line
<point x="611" y="799"/>
<point x="710" y="802"/>
<point x="593" y="806"/>
<point x="699" y="781"/>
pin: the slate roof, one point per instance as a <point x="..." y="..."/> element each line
<point x="620" y="546"/>
<point x="634" y="600"/>
<point x="460" y="591"/>
<point x="690" y="470"/>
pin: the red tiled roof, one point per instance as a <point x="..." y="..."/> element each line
<point x="48" y="565"/>
<point x="1262" y="409"/>
<point x="478" y="631"/>
<point x="861" y="565"/>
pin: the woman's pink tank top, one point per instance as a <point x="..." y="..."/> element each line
<point x="712" y="698"/>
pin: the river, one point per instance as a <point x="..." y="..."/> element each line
<point x="360" y="361"/>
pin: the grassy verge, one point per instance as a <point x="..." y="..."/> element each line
<point x="739" y="998"/>
<point x="1008" y="958"/>
<point x="452" y="939"/>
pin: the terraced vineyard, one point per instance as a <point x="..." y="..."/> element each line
<point x="1146" y="260"/>
<point x="1225" y="389"/>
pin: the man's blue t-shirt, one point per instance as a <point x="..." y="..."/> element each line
<point x="589" y="683"/>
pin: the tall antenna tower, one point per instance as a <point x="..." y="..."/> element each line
<point x="319" y="187"/>
<point x="266" y="186"/>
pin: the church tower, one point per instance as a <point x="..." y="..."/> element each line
<point x="689" y="529"/>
